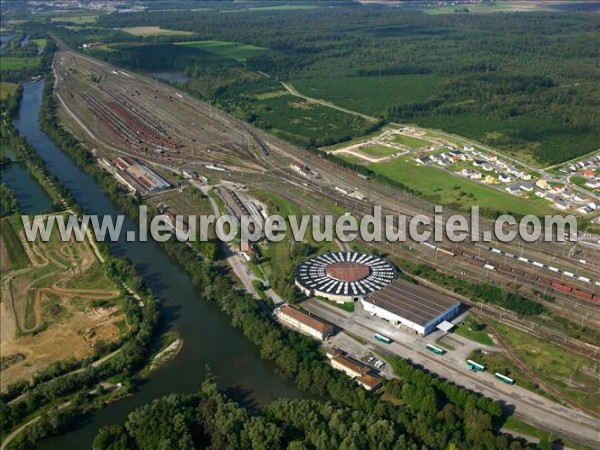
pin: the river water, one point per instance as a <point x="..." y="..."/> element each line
<point x="208" y="337"/>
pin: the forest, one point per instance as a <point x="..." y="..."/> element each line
<point x="522" y="82"/>
<point x="209" y="418"/>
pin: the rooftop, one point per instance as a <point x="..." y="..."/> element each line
<point x="416" y="303"/>
<point x="345" y="273"/>
<point x="348" y="271"/>
<point x="350" y="364"/>
<point x="306" y="318"/>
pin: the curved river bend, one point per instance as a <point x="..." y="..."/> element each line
<point x="209" y="339"/>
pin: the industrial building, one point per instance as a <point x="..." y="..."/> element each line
<point x="416" y="307"/>
<point x="354" y="369"/>
<point x="343" y="276"/>
<point x="138" y="177"/>
<point x="305" y="322"/>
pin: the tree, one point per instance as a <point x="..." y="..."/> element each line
<point x="111" y="437"/>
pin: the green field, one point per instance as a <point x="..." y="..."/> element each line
<point x="486" y="8"/>
<point x="12" y="245"/>
<point x="370" y="95"/>
<point x="14" y="62"/>
<point x="41" y="43"/>
<point x="573" y="375"/>
<point x="378" y="150"/>
<point x="7" y="89"/>
<point x="270" y="8"/>
<point x="470" y="330"/>
<point x="410" y="141"/>
<point x="76" y="19"/>
<point x="234" y="50"/>
<point x="153" y="31"/>
<point x="441" y="187"/>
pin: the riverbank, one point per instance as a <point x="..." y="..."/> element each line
<point x="198" y="323"/>
<point x="297" y="358"/>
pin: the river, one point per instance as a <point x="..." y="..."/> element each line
<point x="209" y="339"/>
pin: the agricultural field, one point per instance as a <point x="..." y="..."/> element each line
<point x="235" y="50"/>
<point x="55" y="295"/>
<point x="80" y="19"/>
<point x="15" y="62"/>
<point x="448" y="189"/>
<point x="370" y="94"/>
<point x="7" y="89"/>
<point x="271" y="8"/>
<point x="153" y="31"/>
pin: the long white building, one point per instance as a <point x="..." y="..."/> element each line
<point x="416" y="307"/>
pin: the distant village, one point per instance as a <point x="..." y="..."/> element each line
<point x="489" y="169"/>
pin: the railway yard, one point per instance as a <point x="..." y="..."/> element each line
<point x="119" y="113"/>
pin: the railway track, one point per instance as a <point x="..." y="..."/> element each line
<point x="532" y="376"/>
<point x="491" y="312"/>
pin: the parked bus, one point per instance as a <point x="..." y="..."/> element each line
<point x="383" y="339"/>
<point x="436" y="350"/>
<point x="504" y="378"/>
<point x="472" y="365"/>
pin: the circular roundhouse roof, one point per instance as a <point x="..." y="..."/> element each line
<point x="349" y="274"/>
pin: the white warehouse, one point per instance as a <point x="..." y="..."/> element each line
<point x="416" y="307"/>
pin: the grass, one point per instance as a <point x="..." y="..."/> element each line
<point x="371" y="95"/>
<point x="480" y="336"/>
<point x="16" y="253"/>
<point x="234" y="50"/>
<point x="15" y="62"/>
<point x="572" y="374"/>
<point x="351" y="158"/>
<point x="410" y="141"/>
<point x="82" y="19"/>
<point x="153" y="31"/>
<point x="270" y="8"/>
<point x="378" y="150"/>
<point x="271" y="94"/>
<point x="447" y="189"/>
<point x="93" y="278"/>
<point x="486" y="8"/>
<point x="348" y="306"/>
<point x="7" y="89"/>
<point x="41" y="43"/>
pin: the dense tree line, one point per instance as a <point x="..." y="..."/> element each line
<point x="8" y="201"/>
<point x="297" y="359"/>
<point x="519" y="81"/>
<point x="209" y="418"/>
<point x="435" y="417"/>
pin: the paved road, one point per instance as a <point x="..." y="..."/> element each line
<point x="534" y="408"/>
